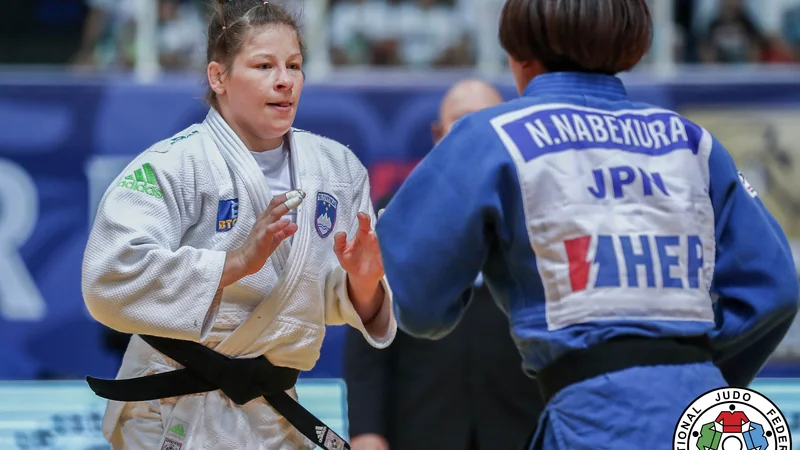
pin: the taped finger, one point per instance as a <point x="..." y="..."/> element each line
<point x="294" y="199"/>
<point x="277" y="200"/>
<point x="296" y="193"/>
<point x="293" y="203"/>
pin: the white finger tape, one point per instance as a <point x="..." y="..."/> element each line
<point x="295" y="193"/>
<point x="293" y="202"/>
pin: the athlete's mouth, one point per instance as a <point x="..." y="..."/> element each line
<point x="280" y="104"/>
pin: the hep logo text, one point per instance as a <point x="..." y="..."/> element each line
<point x="669" y="261"/>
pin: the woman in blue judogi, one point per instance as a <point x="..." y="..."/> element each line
<point x="638" y="267"/>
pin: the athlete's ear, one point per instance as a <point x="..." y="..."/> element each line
<point x="437" y="132"/>
<point x="215" y="72"/>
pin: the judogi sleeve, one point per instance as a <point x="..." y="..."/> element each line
<point x="137" y="276"/>
<point x="755" y="279"/>
<point x="339" y="309"/>
<point x="433" y="232"/>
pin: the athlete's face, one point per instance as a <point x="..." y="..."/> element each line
<point x="261" y="89"/>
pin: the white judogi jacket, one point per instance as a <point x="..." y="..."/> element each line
<point x="154" y="260"/>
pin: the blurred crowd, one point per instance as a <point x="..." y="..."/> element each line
<point x="403" y="33"/>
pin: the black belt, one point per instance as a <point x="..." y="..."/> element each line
<point x="205" y="370"/>
<point x="619" y="354"/>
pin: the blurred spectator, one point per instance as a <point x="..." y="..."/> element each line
<point x="686" y="35"/>
<point x="732" y="36"/>
<point x="790" y="26"/>
<point x="781" y="21"/>
<point x="362" y="32"/>
<point x="181" y="37"/>
<point x="419" y="34"/>
<point x="412" y="33"/>
<point x="765" y="25"/>
<point x="99" y="43"/>
<point x="432" y="34"/>
<point x="110" y="35"/>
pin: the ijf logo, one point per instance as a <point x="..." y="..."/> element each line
<point x="325" y="218"/>
<point x="169" y="444"/>
<point x="732" y="419"/>
<point x="748" y="187"/>
<point x="329" y="439"/>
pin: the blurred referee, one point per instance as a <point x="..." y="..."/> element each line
<point x="464" y="392"/>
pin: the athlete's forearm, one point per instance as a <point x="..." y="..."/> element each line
<point x="366" y="297"/>
<point x="233" y="271"/>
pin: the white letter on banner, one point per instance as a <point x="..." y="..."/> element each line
<point x="20" y="298"/>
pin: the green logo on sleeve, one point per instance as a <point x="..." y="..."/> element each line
<point x="178" y="429"/>
<point x="144" y="180"/>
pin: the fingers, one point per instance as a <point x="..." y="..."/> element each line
<point x="281" y="204"/>
<point x="276" y="227"/>
<point x="293" y="202"/>
<point x="339" y="243"/>
<point x="276" y="200"/>
<point x="364" y="222"/>
<point x="295" y="194"/>
<point x="284" y="233"/>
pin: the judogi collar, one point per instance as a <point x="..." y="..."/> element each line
<point x="575" y="83"/>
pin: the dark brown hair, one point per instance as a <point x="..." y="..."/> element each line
<point x="232" y="21"/>
<point x="599" y="36"/>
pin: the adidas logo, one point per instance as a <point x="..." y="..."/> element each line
<point x="180" y="138"/>
<point x="320" y="433"/>
<point x="142" y="179"/>
<point x="178" y="430"/>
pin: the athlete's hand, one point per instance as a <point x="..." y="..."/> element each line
<point x="369" y="442"/>
<point x="360" y="257"/>
<point x="269" y="230"/>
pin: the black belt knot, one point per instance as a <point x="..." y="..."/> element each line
<point x="205" y="370"/>
<point x="242" y="380"/>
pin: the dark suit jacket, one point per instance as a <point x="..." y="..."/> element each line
<point x="465" y="391"/>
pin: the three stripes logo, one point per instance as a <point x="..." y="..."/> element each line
<point x="143" y="180"/>
<point x="320" y="433"/>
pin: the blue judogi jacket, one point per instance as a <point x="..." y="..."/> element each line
<point x="590" y="216"/>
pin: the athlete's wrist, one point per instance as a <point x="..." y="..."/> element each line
<point x="366" y="297"/>
<point x="233" y="270"/>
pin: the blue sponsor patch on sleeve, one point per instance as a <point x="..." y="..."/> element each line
<point x="227" y="214"/>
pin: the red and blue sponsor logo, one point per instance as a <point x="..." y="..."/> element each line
<point x="677" y="259"/>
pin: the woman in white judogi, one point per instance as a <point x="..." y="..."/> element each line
<point x="198" y="240"/>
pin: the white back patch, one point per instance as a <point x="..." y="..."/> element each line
<point x="617" y="211"/>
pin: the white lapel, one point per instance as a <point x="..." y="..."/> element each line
<point x="295" y="255"/>
<point x="238" y="157"/>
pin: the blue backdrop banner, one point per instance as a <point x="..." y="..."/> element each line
<point x="63" y="141"/>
